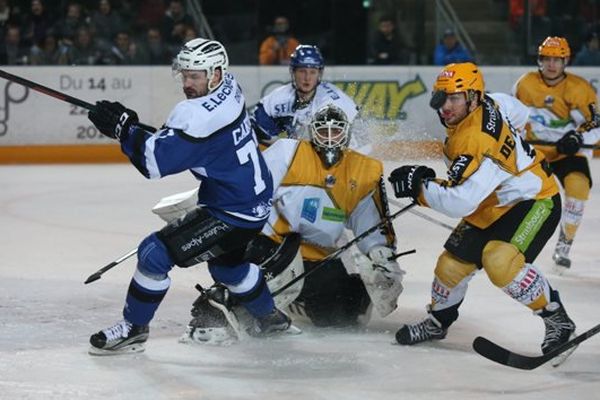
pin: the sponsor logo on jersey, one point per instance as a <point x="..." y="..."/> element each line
<point x="491" y="122"/>
<point x="310" y="208"/>
<point x="548" y="101"/>
<point x="458" y="168"/>
<point x="333" y="214"/>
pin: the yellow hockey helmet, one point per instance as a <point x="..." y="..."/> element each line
<point x="457" y="78"/>
<point x="554" y="46"/>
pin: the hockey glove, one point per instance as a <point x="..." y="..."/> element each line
<point x="112" y="118"/>
<point x="570" y="143"/>
<point x="407" y="180"/>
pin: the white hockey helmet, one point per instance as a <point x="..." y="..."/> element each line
<point x="330" y="133"/>
<point x="202" y="55"/>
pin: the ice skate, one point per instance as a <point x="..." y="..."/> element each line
<point x="123" y="337"/>
<point x="213" y="322"/>
<point x="424" y="331"/>
<point x="561" y="254"/>
<point x="559" y="330"/>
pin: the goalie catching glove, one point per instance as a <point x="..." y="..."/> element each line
<point x="382" y="277"/>
<point x="112" y="118"/>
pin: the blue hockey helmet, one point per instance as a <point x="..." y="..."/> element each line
<point x="306" y="56"/>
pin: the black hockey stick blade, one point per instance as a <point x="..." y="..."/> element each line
<point x="499" y="354"/>
<point x="59" y="95"/>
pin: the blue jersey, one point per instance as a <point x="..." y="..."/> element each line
<point x="212" y="137"/>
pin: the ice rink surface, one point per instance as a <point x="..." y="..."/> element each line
<point x="59" y="224"/>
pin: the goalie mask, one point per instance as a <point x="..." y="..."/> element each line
<point x="202" y="55"/>
<point x="329" y="134"/>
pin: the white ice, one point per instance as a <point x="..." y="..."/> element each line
<point x="61" y="223"/>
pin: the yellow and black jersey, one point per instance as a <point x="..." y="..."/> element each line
<point x="555" y="110"/>
<point x="490" y="169"/>
<point x="320" y="203"/>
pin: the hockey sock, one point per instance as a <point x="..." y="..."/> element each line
<point x="143" y="298"/>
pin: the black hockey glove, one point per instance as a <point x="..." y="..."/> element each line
<point x="570" y="143"/>
<point x="112" y="118"/>
<point x="407" y="180"/>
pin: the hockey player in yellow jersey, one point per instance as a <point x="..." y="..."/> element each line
<point x="562" y="113"/>
<point x="322" y="188"/>
<point x="507" y="199"/>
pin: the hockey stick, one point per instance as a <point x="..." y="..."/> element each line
<point x="59" y="95"/>
<point x="546" y="143"/>
<point x="424" y="216"/>
<point x="98" y="274"/>
<point x="345" y="247"/>
<point x="494" y="352"/>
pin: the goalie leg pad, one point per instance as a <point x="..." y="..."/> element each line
<point x="280" y="263"/>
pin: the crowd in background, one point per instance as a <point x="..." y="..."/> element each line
<point x="136" y="32"/>
<point x="101" y="32"/>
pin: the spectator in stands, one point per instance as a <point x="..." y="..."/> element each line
<point x="277" y="47"/>
<point x="12" y="51"/>
<point x="174" y="23"/>
<point x="158" y="52"/>
<point x="46" y="51"/>
<point x="9" y="15"/>
<point x="590" y="51"/>
<point x="67" y="27"/>
<point x="36" y="24"/>
<point x="449" y="50"/>
<point x="84" y="50"/>
<point x="126" y="52"/>
<point x="105" y="23"/>
<point x="387" y="47"/>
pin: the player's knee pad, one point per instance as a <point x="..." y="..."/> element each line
<point x="577" y="186"/>
<point x="452" y="276"/>
<point x="502" y="261"/>
<point x="451" y="270"/>
<point x="153" y="258"/>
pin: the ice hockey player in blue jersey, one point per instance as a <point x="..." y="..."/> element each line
<point x="288" y="110"/>
<point x="210" y="135"/>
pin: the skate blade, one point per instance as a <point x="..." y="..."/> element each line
<point x="129" y="349"/>
<point x="561" y="358"/>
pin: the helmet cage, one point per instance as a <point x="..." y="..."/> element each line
<point x="329" y="132"/>
<point x="202" y="55"/>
